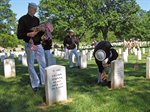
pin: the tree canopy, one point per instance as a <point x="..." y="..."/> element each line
<point x="102" y="19"/>
<point x="7" y="25"/>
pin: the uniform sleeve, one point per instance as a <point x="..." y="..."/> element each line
<point x="113" y="56"/>
<point x="21" y="32"/>
<point x="100" y="65"/>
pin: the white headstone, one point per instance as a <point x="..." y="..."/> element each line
<point x="89" y="55"/>
<point x="55" y="52"/>
<point x="148" y="68"/>
<point x="127" y="51"/>
<point x="55" y="88"/>
<point x="83" y="52"/>
<point x="83" y="61"/>
<point x="20" y="53"/>
<point x="9" y="68"/>
<point x="120" y="51"/>
<point x="139" y="55"/>
<point x="117" y="74"/>
<point x="1" y="54"/>
<point x="86" y="51"/>
<point x="125" y="57"/>
<point x="62" y="54"/>
<point x="24" y="61"/>
<point x="135" y="51"/>
<point x="143" y="50"/>
<point x="58" y="53"/>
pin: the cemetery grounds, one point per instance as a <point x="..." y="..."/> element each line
<point x="84" y="94"/>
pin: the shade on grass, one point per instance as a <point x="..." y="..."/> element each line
<point x="84" y="93"/>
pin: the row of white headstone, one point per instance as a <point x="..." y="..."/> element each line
<point x="134" y="50"/>
<point x="137" y="53"/>
<point x="56" y="88"/>
<point x="65" y="54"/>
<point x="125" y="54"/>
<point x="84" y="56"/>
<point x="11" y="55"/>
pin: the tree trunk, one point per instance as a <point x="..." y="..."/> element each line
<point x="104" y="33"/>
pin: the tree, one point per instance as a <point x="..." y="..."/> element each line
<point x="127" y="26"/>
<point x="7" y="40"/>
<point x="117" y="16"/>
<point x="7" y="23"/>
<point x="143" y="30"/>
<point x="92" y="18"/>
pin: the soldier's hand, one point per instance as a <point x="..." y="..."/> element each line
<point x="67" y="45"/>
<point x="106" y="65"/>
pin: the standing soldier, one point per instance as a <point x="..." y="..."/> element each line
<point x="70" y="43"/>
<point x="26" y="23"/>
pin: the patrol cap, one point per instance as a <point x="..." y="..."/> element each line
<point x="32" y="5"/>
<point x="100" y="55"/>
<point x="71" y="31"/>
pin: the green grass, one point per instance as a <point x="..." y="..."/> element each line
<point x="84" y="94"/>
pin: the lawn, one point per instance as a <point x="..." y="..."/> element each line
<point x="84" y="94"/>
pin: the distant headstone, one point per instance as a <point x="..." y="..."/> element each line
<point x="55" y="87"/>
<point x="89" y="55"/>
<point x="20" y="53"/>
<point x="135" y="51"/>
<point x="9" y="68"/>
<point x="148" y="68"/>
<point x="62" y="54"/>
<point x="117" y="74"/>
<point x="86" y="51"/>
<point x="127" y="51"/>
<point x="1" y="54"/>
<point x="24" y="61"/>
<point x="125" y="57"/>
<point x="55" y="52"/>
<point x="83" y="60"/>
<point x="58" y="53"/>
<point x="143" y="50"/>
<point x="83" y="52"/>
<point x="120" y="51"/>
<point x="139" y="55"/>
